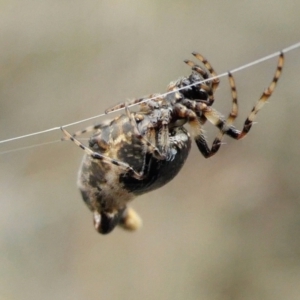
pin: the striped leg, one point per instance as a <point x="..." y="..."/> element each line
<point x="219" y="121"/>
<point x="201" y="71"/>
<point x="105" y="159"/>
<point x="193" y="120"/>
<point x="208" y="113"/>
<point x="263" y="99"/>
<point x="226" y="126"/>
<point x="131" y="102"/>
<point x="206" y="75"/>
<point x="216" y="81"/>
<point x="88" y="129"/>
<point x="231" y="130"/>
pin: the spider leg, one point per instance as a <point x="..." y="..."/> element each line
<point x="105" y="159"/>
<point x="208" y="66"/>
<point x="197" y="68"/>
<point x="163" y="135"/>
<point x="93" y="128"/>
<point x="201" y="141"/>
<point x="131" y="103"/>
<point x="212" y="116"/>
<point x="149" y="147"/>
<point x="206" y="75"/>
<point x="261" y="102"/>
<point x="88" y="129"/>
<point x="195" y="124"/>
<point x="204" y="85"/>
<point x="226" y="126"/>
<point x="216" y="119"/>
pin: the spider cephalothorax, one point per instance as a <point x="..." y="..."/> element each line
<point x="140" y="151"/>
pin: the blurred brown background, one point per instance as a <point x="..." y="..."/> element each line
<point x="225" y="228"/>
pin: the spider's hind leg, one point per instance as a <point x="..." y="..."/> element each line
<point x="262" y="100"/>
<point x="131" y="103"/>
<point x="88" y="129"/>
<point x="96" y="155"/>
<point x="226" y="126"/>
<point x="231" y="130"/>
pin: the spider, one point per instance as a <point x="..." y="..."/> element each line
<point x="141" y="151"/>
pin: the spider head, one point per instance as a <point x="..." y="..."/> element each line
<point x="194" y="90"/>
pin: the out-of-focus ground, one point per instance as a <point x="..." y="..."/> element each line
<point x="224" y="228"/>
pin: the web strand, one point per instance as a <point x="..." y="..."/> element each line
<point x="258" y="61"/>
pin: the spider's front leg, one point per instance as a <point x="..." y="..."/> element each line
<point x="132" y="103"/>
